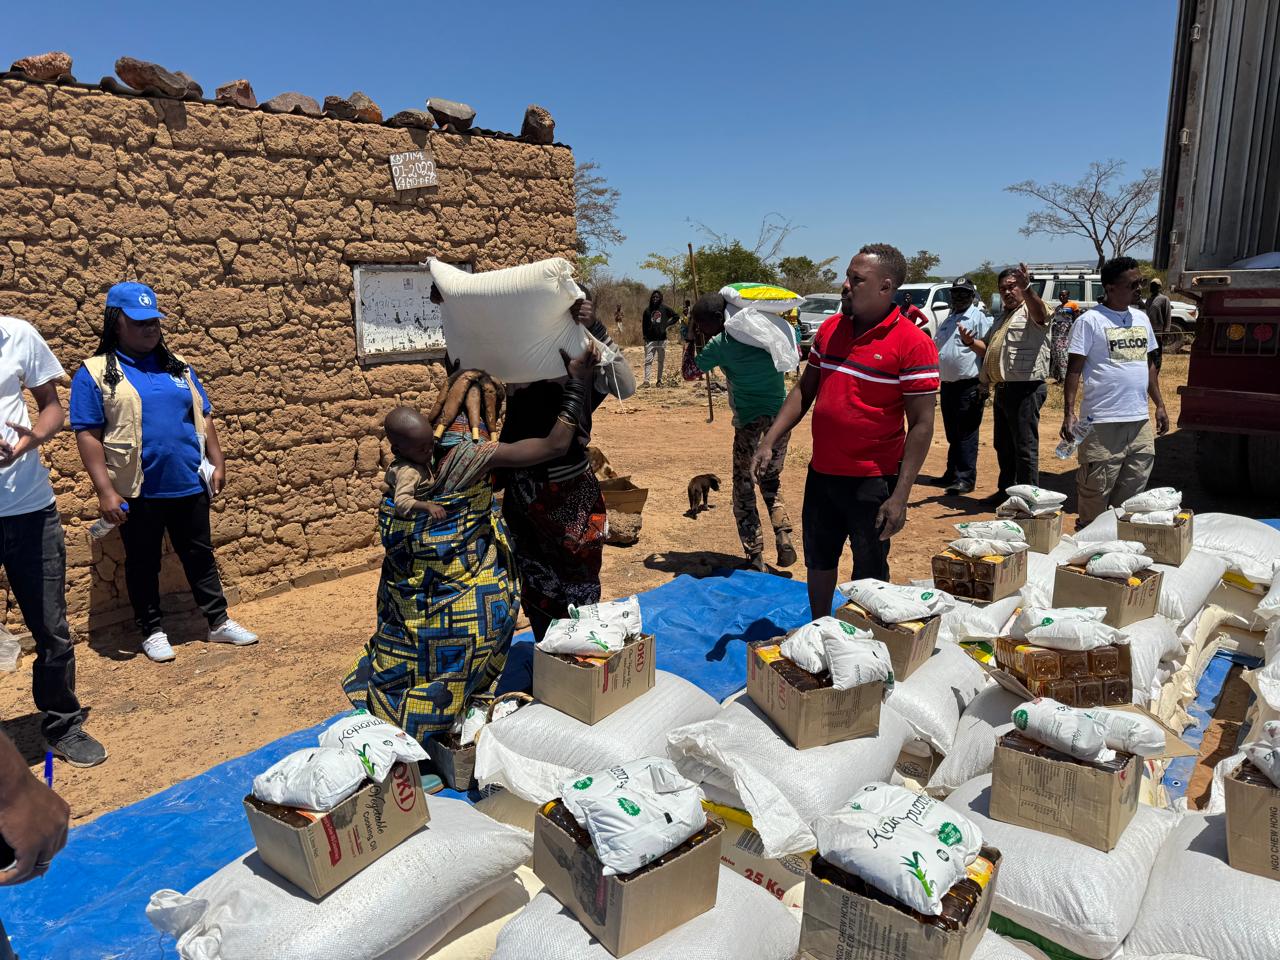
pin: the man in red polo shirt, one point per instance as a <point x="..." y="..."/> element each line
<point x="869" y="368"/>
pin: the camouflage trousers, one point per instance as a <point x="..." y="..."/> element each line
<point x="746" y="441"/>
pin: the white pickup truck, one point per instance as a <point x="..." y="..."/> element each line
<point x="1086" y="290"/>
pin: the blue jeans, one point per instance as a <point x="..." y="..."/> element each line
<point x="34" y="556"/>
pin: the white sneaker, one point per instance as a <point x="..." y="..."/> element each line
<point x="157" y="647"/>
<point x="231" y="632"/>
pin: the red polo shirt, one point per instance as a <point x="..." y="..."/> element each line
<point x="859" y="416"/>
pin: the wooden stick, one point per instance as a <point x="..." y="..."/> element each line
<point x="693" y="270"/>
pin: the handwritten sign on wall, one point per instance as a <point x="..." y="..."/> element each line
<point x="412" y="170"/>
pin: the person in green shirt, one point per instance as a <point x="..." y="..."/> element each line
<point x="756" y="393"/>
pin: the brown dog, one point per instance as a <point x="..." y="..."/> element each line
<point x="700" y="488"/>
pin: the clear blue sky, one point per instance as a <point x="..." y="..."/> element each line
<point x="897" y="121"/>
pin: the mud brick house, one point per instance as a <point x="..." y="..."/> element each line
<point x="248" y="224"/>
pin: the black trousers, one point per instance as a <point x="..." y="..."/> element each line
<point x="1016" y="413"/>
<point x="34" y="555"/>
<point x="186" y="520"/>
<point x="839" y="510"/>
<point x="961" y="417"/>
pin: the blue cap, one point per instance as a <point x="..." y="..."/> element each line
<point x="137" y="300"/>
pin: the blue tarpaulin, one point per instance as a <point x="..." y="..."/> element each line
<point x="1177" y="776"/>
<point x="91" y="904"/>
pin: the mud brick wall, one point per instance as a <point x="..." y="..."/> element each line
<point x="247" y="225"/>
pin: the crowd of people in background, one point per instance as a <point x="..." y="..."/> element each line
<point x="460" y="567"/>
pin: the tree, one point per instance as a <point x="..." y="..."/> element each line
<point x="672" y="267"/>
<point x="920" y="266"/>
<point x="597" y="209"/>
<point x="984" y="278"/>
<point x="725" y="263"/>
<point x="1115" y="217"/>
<point x="802" y="275"/>
<point x="774" y="230"/>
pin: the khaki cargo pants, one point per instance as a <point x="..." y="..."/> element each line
<point x="1115" y="463"/>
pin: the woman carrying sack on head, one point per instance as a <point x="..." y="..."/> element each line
<point x="449" y="596"/>
<point x="143" y="428"/>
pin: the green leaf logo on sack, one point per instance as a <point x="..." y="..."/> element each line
<point x="927" y="595"/>
<point x="1046" y="621"/>
<point x="629" y="807"/>
<point x="368" y="764"/>
<point x="592" y="638"/>
<point x="1020" y="719"/>
<point x="913" y="864"/>
<point x="949" y="834"/>
<point x="848" y="628"/>
<point x="583" y="783"/>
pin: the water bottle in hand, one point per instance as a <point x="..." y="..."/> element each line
<point x="102" y="526"/>
<point x="1081" y="430"/>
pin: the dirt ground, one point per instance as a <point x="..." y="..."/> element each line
<point x="163" y="723"/>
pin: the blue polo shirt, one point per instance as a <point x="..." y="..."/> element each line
<point x="170" y="447"/>
<point x="955" y="360"/>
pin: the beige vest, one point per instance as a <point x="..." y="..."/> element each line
<point x="1022" y="351"/>
<point x="122" y="435"/>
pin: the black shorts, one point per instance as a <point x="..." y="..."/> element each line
<point x="839" y="510"/>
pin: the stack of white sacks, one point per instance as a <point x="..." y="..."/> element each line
<point x="1165" y="891"/>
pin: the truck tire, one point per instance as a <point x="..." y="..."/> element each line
<point x="1221" y="461"/>
<point x="1264" y="462"/>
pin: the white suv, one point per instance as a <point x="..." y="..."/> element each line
<point x="1086" y="290"/>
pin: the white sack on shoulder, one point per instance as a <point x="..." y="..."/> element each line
<point x="1087" y="551"/>
<point x="512" y="322"/>
<point x="318" y="778"/>
<point x="583" y="637"/>
<point x="992" y="530"/>
<point x="623" y="613"/>
<point x="1117" y="565"/>
<point x="1036" y="497"/>
<point x="1157" y="518"/>
<point x="975" y="547"/>
<point x="1074" y="732"/>
<point x="635" y="812"/>
<point x="893" y="603"/>
<point x="766" y="332"/>
<point x="377" y="743"/>
<point x="1129" y="732"/>
<point x="1161" y="498"/>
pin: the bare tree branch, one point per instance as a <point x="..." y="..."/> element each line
<point x="597" y="209"/>
<point x="774" y="230"/>
<point x="1107" y="214"/>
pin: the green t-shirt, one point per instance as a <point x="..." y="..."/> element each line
<point x="756" y="389"/>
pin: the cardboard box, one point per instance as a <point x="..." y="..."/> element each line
<point x="1164" y="544"/>
<point x="626" y="912"/>
<point x="1253" y="827"/>
<point x="1064" y="798"/>
<point x="1073" y="800"/>
<point x="839" y="924"/>
<point x="320" y="851"/>
<point x="456" y="765"/>
<point x="1072" y="587"/>
<point x="977" y="578"/>
<point x="910" y="644"/>
<point x="590" y="691"/>
<point x="1043" y="533"/>
<point x="810" y="718"/>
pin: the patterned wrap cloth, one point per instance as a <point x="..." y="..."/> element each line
<point x="448" y="601"/>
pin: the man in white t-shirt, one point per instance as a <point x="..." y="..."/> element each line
<point x="32" y="550"/>
<point x="1114" y="350"/>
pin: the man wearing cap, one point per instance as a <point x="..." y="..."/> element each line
<point x="32" y="548"/>
<point x="961" y="340"/>
<point x="148" y="442"/>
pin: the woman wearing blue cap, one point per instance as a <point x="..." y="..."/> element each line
<point x="144" y="432"/>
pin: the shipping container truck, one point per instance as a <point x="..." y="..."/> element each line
<point x="1219" y="234"/>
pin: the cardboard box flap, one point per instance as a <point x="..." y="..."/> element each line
<point x="1174" y="745"/>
